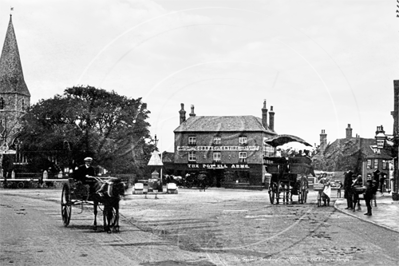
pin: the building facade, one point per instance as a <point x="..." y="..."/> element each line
<point x="361" y="155"/>
<point x="229" y="149"/>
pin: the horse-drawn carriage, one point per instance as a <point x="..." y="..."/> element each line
<point x="97" y="191"/>
<point x="289" y="175"/>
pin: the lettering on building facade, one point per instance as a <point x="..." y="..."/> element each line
<point x="218" y="148"/>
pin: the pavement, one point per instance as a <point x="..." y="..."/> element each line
<point x="385" y="215"/>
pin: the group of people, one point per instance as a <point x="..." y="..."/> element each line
<point x="353" y="186"/>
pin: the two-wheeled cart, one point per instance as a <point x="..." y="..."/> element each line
<point x="92" y="193"/>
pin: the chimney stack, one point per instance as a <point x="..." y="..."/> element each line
<point x="182" y="113"/>
<point x="192" y="110"/>
<point x="323" y="139"/>
<point x="271" y="119"/>
<point x="349" y="132"/>
<point x="264" y="115"/>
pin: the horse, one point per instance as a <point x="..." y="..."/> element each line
<point x="109" y="193"/>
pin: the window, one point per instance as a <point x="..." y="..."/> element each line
<point x="369" y="164"/>
<point x="192" y="140"/>
<point x="1" y="103"/>
<point x="192" y="156"/>
<point x="217" y="140"/>
<point x="23" y="104"/>
<point x="242" y="157"/>
<point x="375" y="164"/>
<point x="217" y="156"/>
<point x="243" y="140"/>
<point x="384" y="164"/>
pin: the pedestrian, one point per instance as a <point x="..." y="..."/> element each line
<point x="326" y="191"/>
<point x="368" y="195"/>
<point x="357" y="182"/>
<point x="382" y="183"/>
<point x="340" y="185"/>
<point x="376" y="181"/>
<point x="348" y="189"/>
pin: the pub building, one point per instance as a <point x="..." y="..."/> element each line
<point x="228" y="149"/>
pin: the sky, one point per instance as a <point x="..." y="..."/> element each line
<point x="320" y="64"/>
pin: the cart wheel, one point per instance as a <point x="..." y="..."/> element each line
<point x="66" y="207"/>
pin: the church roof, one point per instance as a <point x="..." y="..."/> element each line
<point x="223" y="124"/>
<point x="11" y="75"/>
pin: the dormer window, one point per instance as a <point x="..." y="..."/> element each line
<point x="192" y="140"/>
<point x="217" y="140"/>
<point x="243" y="140"/>
<point x="1" y="103"/>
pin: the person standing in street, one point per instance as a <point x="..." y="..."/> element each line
<point x="368" y="195"/>
<point x="348" y="189"/>
<point x="357" y="182"/>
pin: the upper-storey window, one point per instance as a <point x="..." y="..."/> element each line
<point x="192" y="140"/>
<point x="1" y="103"/>
<point x="192" y="156"/>
<point x="242" y="157"/>
<point x="23" y="104"/>
<point x="243" y="140"/>
<point x="217" y="156"/>
<point x="369" y="164"/>
<point x="217" y="140"/>
<point x="375" y="163"/>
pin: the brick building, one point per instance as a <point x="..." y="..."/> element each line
<point x="229" y="149"/>
<point x="361" y="155"/>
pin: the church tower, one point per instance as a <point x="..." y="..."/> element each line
<point x="14" y="94"/>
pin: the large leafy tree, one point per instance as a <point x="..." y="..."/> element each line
<point x="86" y="121"/>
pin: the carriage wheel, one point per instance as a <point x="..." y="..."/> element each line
<point x="66" y="207"/>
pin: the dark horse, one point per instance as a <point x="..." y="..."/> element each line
<point x="109" y="193"/>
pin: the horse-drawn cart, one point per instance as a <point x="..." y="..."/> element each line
<point x="289" y="175"/>
<point x="96" y="191"/>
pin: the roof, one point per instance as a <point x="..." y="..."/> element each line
<point x="222" y="124"/>
<point x="168" y="157"/>
<point x="11" y="75"/>
<point x="351" y="146"/>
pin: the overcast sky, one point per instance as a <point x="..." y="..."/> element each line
<point x="320" y="64"/>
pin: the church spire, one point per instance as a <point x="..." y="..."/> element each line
<point x="11" y="75"/>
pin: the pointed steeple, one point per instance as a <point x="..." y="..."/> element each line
<point x="11" y="75"/>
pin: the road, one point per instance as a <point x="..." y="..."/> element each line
<point x="216" y="227"/>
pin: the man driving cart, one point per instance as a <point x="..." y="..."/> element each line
<point x="85" y="185"/>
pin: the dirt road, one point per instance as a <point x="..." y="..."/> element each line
<point x="216" y="227"/>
